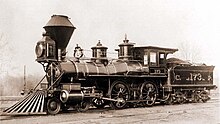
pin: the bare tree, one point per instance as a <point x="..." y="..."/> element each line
<point x="190" y="52"/>
<point x="3" y="44"/>
<point x="5" y="60"/>
<point x="2" y="89"/>
<point x="4" y="53"/>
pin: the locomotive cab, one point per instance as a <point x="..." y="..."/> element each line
<point x="153" y="57"/>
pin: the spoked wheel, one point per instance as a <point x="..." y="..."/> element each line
<point x="53" y="106"/>
<point x="196" y="97"/>
<point x="83" y="106"/>
<point x="204" y="96"/>
<point x="148" y="93"/>
<point x="179" y="97"/>
<point x="170" y="100"/>
<point x="120" y="92"/>
<point x="98" y="103"/>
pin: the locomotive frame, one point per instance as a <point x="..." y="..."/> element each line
<point x="140" y="76"/>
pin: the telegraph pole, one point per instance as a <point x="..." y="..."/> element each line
<point x="25" y="81"/>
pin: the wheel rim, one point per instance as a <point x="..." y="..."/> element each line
<point x="53" y="106"/>
<point x="98" y="103"/>
<point x="180" y="97"/>
<point x="83" y="106"/>
<point x="148" y="93"/>
<point x="170" y="100"/>
<point x="120" y="92"/>
<point x="204" y="96"/>
<point x="196" y="97"/>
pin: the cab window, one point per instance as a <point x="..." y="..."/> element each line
<point x="145" y="59"/>
<point x="162" y="58"/>
<point x="153" y="58"/>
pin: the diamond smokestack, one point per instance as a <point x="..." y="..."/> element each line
<point x="60" y="30"/>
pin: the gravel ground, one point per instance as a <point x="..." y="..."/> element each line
<point x="193" y="113"/>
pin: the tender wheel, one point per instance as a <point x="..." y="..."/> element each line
<point x="120" y="92"/>
<point x="204" y="96"/>
<point x="83" y="106"/>
<point x="53" y="106"/>
<point x="98" y="103"/>
<point x="149" y="93"/>
<point x="179" y="97"/>
<point x="196" y="97"/>
<point x="170" y="100"/>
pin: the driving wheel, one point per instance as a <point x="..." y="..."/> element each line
<point x="148" y="93"/>
<point x="120" y="93"/>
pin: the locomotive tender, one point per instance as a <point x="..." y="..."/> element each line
<point x="140" y="76"/>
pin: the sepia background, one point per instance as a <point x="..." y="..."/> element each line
<point x="192" y="26"/>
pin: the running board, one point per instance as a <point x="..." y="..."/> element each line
<point x="31" y="104"/>
<point x="121" y="100"/>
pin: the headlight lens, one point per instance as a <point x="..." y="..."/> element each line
<point x="64" y="96"/>
<point x="39" y="50"/>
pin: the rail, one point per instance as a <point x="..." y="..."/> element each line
<point x="10" y="98"/>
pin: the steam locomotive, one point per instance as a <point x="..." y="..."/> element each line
<point x="140" y="76"/>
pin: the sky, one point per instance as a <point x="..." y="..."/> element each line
<point x="166" y="23"/>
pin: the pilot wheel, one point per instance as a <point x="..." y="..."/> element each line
<point x="98" y="103"/>
<point x="53" y="106"/>
<point x="83" y="106"/>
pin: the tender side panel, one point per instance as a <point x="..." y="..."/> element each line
<point x="192" y="75"/>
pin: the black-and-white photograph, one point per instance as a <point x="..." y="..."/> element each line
<point x="109" y="62"/>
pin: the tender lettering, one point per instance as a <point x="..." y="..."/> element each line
<point x="177" y="77"/>
<point x="209" y="78"/>
<point x="195" y="77"/>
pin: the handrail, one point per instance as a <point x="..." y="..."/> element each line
<point x="56" y="80"/>
<point x="39" y="82"/>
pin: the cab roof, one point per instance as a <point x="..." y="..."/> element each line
<point x="167" y="50"/>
